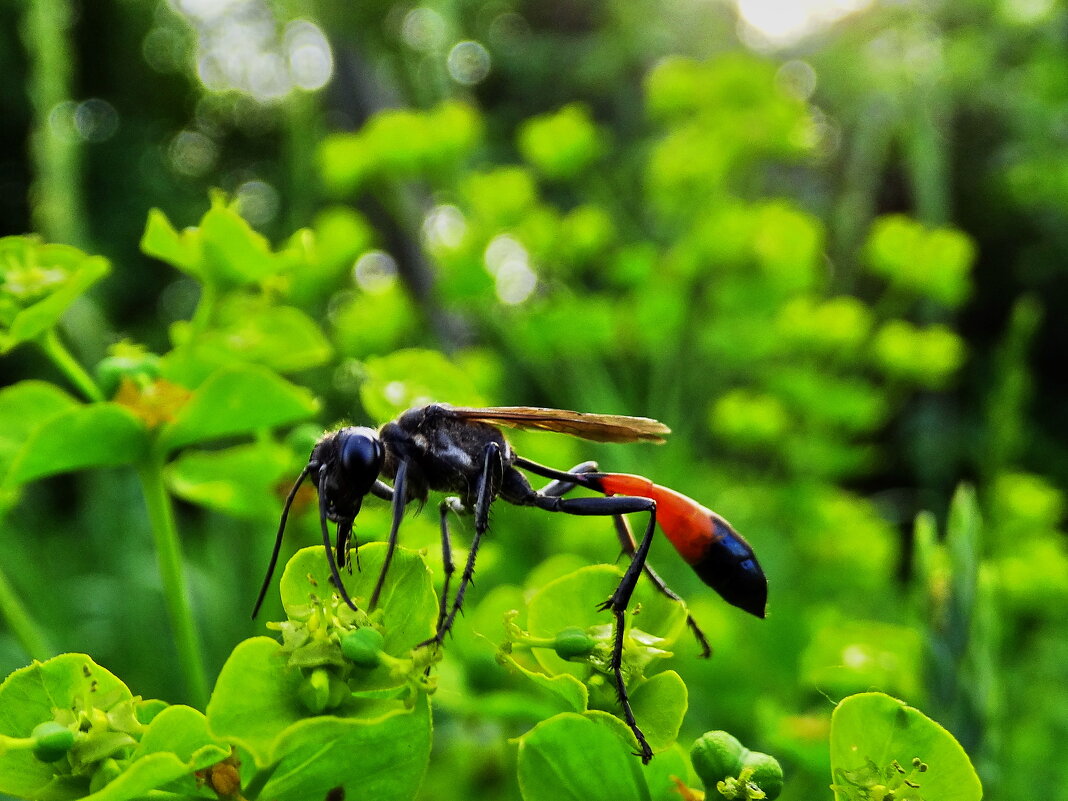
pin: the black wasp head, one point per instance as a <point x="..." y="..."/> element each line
<point x="343" y="465"/>
<point x="355" y="459"/>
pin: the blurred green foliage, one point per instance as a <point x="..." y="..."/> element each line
<point x="835" y="271"/>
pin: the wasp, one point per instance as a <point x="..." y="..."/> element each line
<point x="463" y="452"/>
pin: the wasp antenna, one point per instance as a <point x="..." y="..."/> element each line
<point x="278" y="539"/>
<point x="335" y="574"/>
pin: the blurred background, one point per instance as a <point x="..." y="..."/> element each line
<point x="824" y="241"/>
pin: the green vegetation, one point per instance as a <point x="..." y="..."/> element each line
<point x="832" y="271"/>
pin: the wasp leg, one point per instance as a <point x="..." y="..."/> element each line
<point x="626" y="541"/>
<point x="517" y="490"/>
<point x="452" y="504"/>
<point x="559" y="487"/>
<point x="335" y="574"/>
<point x="398" y="515"/>
<point x="489" y="484"/>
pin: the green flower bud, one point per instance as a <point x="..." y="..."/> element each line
<point x="314" y="691"/>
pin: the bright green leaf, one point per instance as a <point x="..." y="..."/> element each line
<point x="662" y="770"/>
<point x="565" y="692"/>
<point x="255" y="698"/>
<point x="234" y="254"/>
<point x="382" y="758"/>
<point x="407" y="601"/>
<point x="241" y="481"/>
<point x="872" y="731"/>
<point x="235" y="401"/>
<point x="25" y="407"/>
<point x="248" y="329"/>
<point x="32" y="695"/>
<point x="93" y="435"/>
<point x="659" y="705"/>
<point x="573" y="757"/>
<point x="181" y="250"/>
<point x="573" y="600"/>
<point x="38" y="282"/>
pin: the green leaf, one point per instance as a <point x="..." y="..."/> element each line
<point x="661" y="772"/>
<point x="566" y="693"/>
<point x="413" y="377"/>
<point x="223" y="250"/>
<point x="241" y="481"/>
<point x="25" y="407"/>
<point x="182" y="731"/>
<point x="870" y="731"/>
<point x="162" y="241"/>
<point x="408" y="602"/>
<point x="579" y="757"/>
<point x="561" y="144"/>
<point x="249" y="329"/>
<point x="93" y="435"/>
<point x="38" y="282"/>
<point x="234" y="254"/>
<point x="255" y="706"/>
<point x="31" y="695"/>
<point x="174" y="746"/>
<point x="255" y="698"/>
<point x="234" y="401"/>
<point x="659" y="705"/>
<point x="382" y="758"/>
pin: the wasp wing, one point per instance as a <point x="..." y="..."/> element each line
<point x="596" y="427"/>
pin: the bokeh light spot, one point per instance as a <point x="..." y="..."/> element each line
<point x="772" y="24"/>
<point x="468" y="62"/>
<point x="423" y="29"/>
<point x="445" y="227"/>
<point x="258" y="201"/>
<point x="311" y="62"/>
<point x="375" y="271"/>
<point x="192" y="153"/>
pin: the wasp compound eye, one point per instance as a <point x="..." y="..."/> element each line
<point x="360" y="452"/>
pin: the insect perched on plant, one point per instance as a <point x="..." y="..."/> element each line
<point x="463" y="451"/>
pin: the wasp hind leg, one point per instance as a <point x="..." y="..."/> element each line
<point x="559" y="487"/>
<point x="518" y="491"/>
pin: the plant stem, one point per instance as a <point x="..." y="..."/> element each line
<point x="56" y="149"/>
<point x="205" y="310"/>
<point x="169" y="555"/>
<point x="69" y="366"/>
<point x="30" y="636"/>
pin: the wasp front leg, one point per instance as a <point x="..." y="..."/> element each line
<point x="489" y="483"/>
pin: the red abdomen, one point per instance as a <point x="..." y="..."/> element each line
<point x="718" y="554"/>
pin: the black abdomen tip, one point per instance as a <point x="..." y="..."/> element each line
<point x="730" y="567"/>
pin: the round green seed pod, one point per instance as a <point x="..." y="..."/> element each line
<point x="573" y="643"/>
<point x="767" y="773"/>
<point x="53" y="740"/>
<point x="717" y="755"/>
<point x="363" y="646"/>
